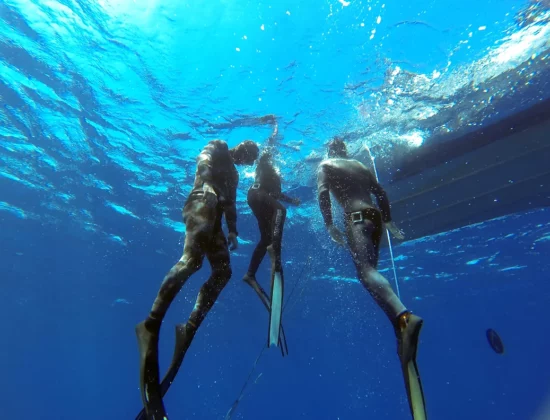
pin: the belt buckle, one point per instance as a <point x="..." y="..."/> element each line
<point x="357" y="217"/>
<point x="255" y="186"/>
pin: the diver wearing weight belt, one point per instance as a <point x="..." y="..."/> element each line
<point x="352" y="184"/>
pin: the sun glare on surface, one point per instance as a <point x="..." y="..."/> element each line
<point x="414" y="139"/>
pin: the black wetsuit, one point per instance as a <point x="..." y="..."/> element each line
<point x="352" y="184"/>
<point x="263" y="199"/>
<point x="204" y="237"/>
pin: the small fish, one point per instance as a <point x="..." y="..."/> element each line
<point x="495" y="341"/>
<point x="121" y="301"/>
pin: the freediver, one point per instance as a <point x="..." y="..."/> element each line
<point x="352" y="183"/>
<point x="213" y="195"/>
<point x="263" y="198"/>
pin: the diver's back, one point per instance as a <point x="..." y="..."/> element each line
<point x="350" y="182"/>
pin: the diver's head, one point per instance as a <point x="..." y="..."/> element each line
<point x="337" y="148"/>
<point x="245" y="153"/>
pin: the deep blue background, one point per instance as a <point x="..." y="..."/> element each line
<point x="70" y="350"/>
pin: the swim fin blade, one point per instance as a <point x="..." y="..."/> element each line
<point x="183" y="341"/>
<point x="252" y="282"/>
<point x="276" y="312"/>
<point x="147" y="336"/>
<point x="407" y="348"/>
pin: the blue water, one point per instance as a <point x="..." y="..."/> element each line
<point x="105" y="105"/>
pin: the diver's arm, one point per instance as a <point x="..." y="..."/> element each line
<point x="287" y="199"/>
<point x="268" y="119"/>
<point x="230" y="210"/>
<point x="323" y="192"/>
<point x="231" y="217"/>
<point x="275" y="132"/>
<point x="204" y="178"/>
<point x="230" y="206"/>
<point x="326" y="207"/>
<point x="381" y="198"/>
<point x="384" y="205"/>
<point x="204" y="168"/>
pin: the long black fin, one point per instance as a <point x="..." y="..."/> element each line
<point x="180" y="349"/>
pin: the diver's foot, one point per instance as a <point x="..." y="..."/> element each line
<point x="250" y="279"/>
<point x="184" y="336"/>
<point x="185" y="332"/>
<point x="407" y="329"/>
<point x="147" y="333"/>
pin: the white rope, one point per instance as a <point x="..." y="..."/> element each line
<point x="387" y="231"/>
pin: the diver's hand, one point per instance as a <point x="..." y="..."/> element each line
<point x="395" y="231"/>
<point x="210" y="197"/>
<point x="336" y="235"/>
<point x="233" y="242"/>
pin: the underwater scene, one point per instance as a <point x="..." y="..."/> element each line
<point x="286" y="209"/>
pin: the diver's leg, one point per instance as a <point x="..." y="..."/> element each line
<point x="264" y="214"/>
<point x="198" y="223"/>
<point x="363" y="240"/>
<point x="278" y="222"/>
<point x="364" y="251"/>
<point x="262" y="206"/>
<point x="257" y="257"/>
<point x="218" y="255"/>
